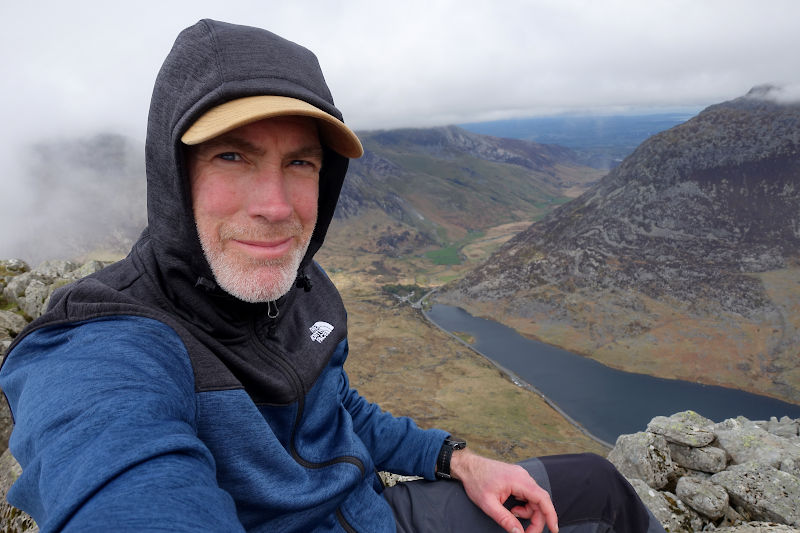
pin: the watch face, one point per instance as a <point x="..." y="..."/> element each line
<point x="456" y="443"/>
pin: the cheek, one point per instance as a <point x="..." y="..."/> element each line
<point x="214" y="199"/>
<point x="304" y="195"/>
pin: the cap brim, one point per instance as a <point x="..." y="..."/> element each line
<point x="236" y="113"/>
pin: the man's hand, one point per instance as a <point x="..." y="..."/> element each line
<point x="490" y="483"/>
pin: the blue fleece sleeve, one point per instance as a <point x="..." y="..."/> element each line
<point x="105" y="431"/>
<point x="396" y="444"/>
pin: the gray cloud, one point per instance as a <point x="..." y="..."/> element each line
<point x="72" y="69"/>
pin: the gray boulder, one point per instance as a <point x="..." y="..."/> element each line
<point x="686" y="428"/>
<point x="746" y="479"/>
<point x="37" y="294"/>
<point x="668" y="509"/>
<point x="745" y="442"/>
<point x="643" y="456"/>
<point x="785" y="427"/>
<point x="10" y="324"/>
<point x="762" y="492"/>
<point x="706" y="459"/>
<point x="703" y="496"/>
<point x="15" y="287"/>
<point x="13" y="266"/>
<point x="56" y="268"/>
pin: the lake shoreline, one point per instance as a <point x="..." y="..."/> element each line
<point x="601" y="401"/>
<point x="518" y="381"/>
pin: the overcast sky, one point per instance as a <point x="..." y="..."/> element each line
<point x="80" y="65"/>
<point x="73" y="68"/>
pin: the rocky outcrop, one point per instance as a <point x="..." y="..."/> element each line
<point x="30" y="290"/>
<point x="734" y="476"/>
<point x="684" y="215"/>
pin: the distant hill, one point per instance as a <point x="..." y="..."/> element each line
<point x="434" y="186"/>
<point x="682" y="261"/>
<point x="602" y="141"/>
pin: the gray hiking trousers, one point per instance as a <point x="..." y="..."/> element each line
<point x="589" y="494"/>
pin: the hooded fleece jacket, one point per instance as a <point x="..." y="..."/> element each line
<point x="147" y="398"/>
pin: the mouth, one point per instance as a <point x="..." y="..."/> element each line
<point x="264" y="249"/>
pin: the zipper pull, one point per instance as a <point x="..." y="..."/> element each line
<point x="272" y="309"/>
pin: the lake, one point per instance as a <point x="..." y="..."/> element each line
<point x="605" y="401"/>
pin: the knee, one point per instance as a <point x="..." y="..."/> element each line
<point x="601" y="471"/>
<point x="598" y="463"/>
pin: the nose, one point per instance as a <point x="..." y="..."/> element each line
<point x="269" y="196"/>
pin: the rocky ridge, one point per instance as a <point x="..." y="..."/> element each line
<point x="689" y="223"/>
<point x="686" y="215"/>
<point x="737" y="476"/>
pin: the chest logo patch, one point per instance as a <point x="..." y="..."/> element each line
<point x="320" y="330"/>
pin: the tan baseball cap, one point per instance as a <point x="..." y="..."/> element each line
<point x="235" y="113"/>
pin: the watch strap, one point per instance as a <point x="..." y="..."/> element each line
<point x="446" y="454"/>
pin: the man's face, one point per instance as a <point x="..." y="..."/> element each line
<point x="254" y="196"/>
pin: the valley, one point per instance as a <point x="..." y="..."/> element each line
<point x="681" y="262"/>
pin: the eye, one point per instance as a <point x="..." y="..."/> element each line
<point x="229" y="156"/>
<point x="305" y="164"/>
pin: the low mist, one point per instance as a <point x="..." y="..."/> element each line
<point x="73" y="198"/>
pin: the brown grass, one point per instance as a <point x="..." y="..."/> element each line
<point x="411" y="368"/>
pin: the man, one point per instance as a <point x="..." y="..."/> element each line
<point x="198" y="385"/>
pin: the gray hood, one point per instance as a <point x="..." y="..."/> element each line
<point x="211" y="63"/>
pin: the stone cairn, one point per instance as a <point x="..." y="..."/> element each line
<point x="736" y="476"/>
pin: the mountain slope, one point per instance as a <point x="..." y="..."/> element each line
<point x="672" y="263"/>
<point x="441" y="183"/>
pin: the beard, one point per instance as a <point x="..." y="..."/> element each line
<point x="248" y="278"/>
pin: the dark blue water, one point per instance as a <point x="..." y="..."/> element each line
<point x="605" y="401"/>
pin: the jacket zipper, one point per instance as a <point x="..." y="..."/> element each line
<point x="289" y="372"/>
<point x="343" y="522"/>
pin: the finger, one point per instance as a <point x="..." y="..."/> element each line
<point x="537" y="523"/>
<point x="552" y="522"/>
<point x="539" y="518"/>
<point x="522" y="511"/>
<point x="504" y="518"/>
<point x="540" y="498"/>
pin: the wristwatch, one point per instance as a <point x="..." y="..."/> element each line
<point x="450" y="445"/>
